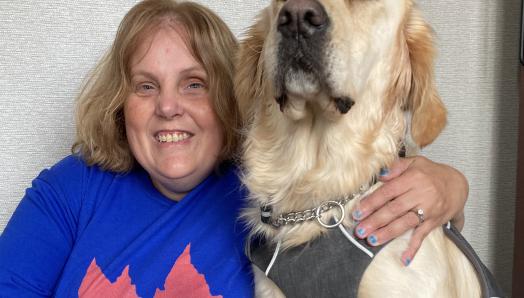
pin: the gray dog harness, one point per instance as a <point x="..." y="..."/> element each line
<point x="314" y="270"/>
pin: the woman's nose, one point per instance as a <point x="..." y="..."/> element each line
<point x="169" y="105"/>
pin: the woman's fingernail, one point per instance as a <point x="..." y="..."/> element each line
<point x="384" y="172"/>
<point x="407" y="261"/>
<point x="361" y="232"/>
<point x="357" y="214"/>
<point x="373" y="240"/>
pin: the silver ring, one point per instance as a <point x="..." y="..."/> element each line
<point x="330" y="204"/>
<point x="420" y="214"/>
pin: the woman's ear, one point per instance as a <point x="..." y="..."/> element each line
<point x="249" y="66"/>
<point x="428" y="111"/>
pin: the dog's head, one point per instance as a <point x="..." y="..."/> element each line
<point x="356" y="60"/>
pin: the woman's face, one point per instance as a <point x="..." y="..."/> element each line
<point x="171" y="127"/>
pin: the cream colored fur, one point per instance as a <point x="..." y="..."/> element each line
<point x="380" y="53"/>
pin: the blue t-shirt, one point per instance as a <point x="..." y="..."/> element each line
<point x="84" y="232"/>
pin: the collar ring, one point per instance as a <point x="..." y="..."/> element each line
<point x="327" y="206"/>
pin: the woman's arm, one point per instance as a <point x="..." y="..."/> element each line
<point x="37" y="241"/>
<point x="411" y="184"/>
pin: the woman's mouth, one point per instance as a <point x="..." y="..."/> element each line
<point x="172" y="137"/>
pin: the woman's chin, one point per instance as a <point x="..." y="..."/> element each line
<point x="175" y="183"/>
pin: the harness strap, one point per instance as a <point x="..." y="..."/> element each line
<point x="312" y="270"/>
<point x="490" y="288"/>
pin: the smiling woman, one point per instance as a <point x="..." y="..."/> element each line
<point x="150" y="198"/>
<point x="102" y="100"/>
<point x="171" y="126"/>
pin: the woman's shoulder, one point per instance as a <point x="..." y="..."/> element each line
<point x="72" y="164"/>
<point x="74" y="167"/>
<point x="73" y="176"/>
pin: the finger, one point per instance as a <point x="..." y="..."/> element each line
<point x="384" y="216"/>
<point x="416" y="241"/>
<point x="380" y="197"/>
<point x="398" y="167"/>
<point x="396" y="228"/>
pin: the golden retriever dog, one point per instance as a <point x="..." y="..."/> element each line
<point x="329" y="92"/>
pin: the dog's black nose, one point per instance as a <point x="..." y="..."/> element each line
<point x="304" y="17"/>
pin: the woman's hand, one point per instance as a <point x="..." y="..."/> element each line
<point x="411" y="184"/>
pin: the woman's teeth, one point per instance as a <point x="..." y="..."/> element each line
<point x="172" y="137"/>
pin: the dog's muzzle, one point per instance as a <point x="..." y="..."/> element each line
<point x="302" y="19"/>
<point x="303" y="27"/>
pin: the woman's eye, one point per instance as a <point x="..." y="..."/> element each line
<point x="145" y="88"/>
<point x="196" y="85"/>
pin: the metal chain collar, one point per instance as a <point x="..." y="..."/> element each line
<point x="309" y="214"/>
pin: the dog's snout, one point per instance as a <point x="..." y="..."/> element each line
<point x="301" y="17"/>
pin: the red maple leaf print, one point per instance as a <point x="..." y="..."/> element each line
<point x="95" y="284"/>
<point x="184" y="280"/>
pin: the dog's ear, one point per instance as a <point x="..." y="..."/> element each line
<point x="250" y="68"/>
<point x="428" y="111"/>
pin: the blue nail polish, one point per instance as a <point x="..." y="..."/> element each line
<point x="361" y="231"/>
<point x="407" y="262"/>
<point x="357" y="214"/>
<point x="384" y="172"/>
<point x="372" y="240"/>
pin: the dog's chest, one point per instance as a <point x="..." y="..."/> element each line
<point x="330" y="266"/>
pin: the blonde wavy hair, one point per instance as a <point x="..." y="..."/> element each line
<point x="100" y="124"/>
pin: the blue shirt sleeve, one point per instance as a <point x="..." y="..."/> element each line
<point x="40" y="235"/>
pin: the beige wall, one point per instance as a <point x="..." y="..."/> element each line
<point x="477" y="75"/>
<point x="47" y="47"/>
